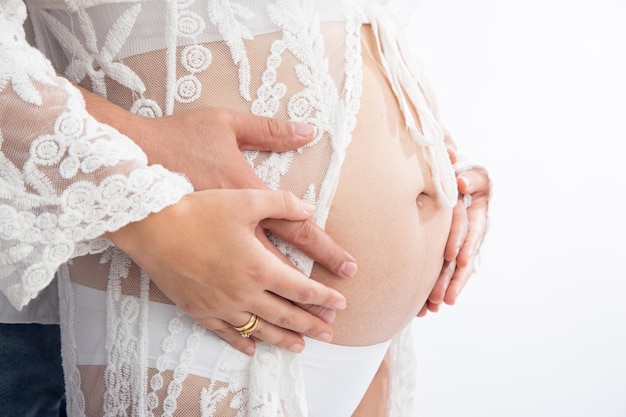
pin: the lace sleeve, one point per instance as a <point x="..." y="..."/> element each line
<point x="65" y="179"/>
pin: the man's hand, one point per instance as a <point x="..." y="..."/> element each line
<point x="206" y="145"/>
<point x="469" y="225"/>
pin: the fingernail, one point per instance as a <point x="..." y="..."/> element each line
<point x="465" y="180"/>
<point x="324" y="337"/>
<point x="302" y="131"/>
<point x="309" y="208"/>
<point x="328" y="316"/>
<point x="452" y="153"/>
<point x="296" y="348"/>
<point x="340" y="305"/>
<point x="348" y="269"/>
<point x="250" y="350"/>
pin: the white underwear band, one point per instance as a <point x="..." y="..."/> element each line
<point x="335" y="377"/>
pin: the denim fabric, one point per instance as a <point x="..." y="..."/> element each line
<point x="31" y="376"/>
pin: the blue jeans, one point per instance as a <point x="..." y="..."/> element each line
<point x="31" y="376"/>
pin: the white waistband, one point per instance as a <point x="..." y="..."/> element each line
<point x="326" y="368"/>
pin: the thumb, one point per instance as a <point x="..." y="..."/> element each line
<point x="269" y="134"/>
<point x="452" y="154"/>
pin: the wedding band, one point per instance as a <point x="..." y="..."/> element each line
<point x="247" y="329"/>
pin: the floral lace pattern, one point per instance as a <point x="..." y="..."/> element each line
<point x="227" y="16"/>
<point x="56" y="200"/>
<point x="256" y="398"/>
<point x="70" y="179"/>
<point x="89" y="60"/>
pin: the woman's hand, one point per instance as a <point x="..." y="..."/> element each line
<point x="469" y="226"/>
<point x="205" y="255"/>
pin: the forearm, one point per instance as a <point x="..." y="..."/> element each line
<point x="109" y="113"/>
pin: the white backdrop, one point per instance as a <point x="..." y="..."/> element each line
<point x="535" y="90"/>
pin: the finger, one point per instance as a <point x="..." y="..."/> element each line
<point x="441" y="285"/>
<point x="477" y="219"/>
<point x="279" y="204"/>
<point x="448" y="140"/>
<point x="275" y="309"/>
<point x="452" y="154"/>
<point x="423" y="311"/>
<point x="265" y="332"/>
<point x="230" y="335"/>
<point x="433" y="307"/>
<point x="296" y="287"/>
<point x="268" y="134"/>
<point x="327" y="315"/>
<point x="280" y="323"/>
<point x="458" y="231"/>
<point x="450" y="146"/>
<point x="474" y="180"/>
<point x="282" y="279"/>
<point x="461" y="276"/>
<point x="316" y="243"/>
<point x="277" y="336"/>
<point x="287" y="316"/>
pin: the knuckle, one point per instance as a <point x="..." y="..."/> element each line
<point x="252" y="200"/>
<point x="305" y="232"/>
<point x="256" y="278"/>
<point x="306" y="295"/>
<point x="274" y="336"/>
<point x="221" y="332"/>
<point x="288" y="200"/>
<point x="224" y="115"/>
<point x="248" y="197"/>
<point x="194" y="311"/>
<point x="235" y="297"/>
<point x="286" y="321"/>
<point x="222" y="329"/>
<point x="274" y="128"/>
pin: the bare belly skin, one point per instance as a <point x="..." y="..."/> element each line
<point x="386" y="214"/>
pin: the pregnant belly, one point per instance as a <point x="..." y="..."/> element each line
<point x="385" y="212"/>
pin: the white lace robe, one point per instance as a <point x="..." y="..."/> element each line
<point x="66" y="179"/>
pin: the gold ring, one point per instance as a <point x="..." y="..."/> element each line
<point x="249" y="327"/>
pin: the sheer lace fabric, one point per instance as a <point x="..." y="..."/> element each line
<point x="67" y="179"/>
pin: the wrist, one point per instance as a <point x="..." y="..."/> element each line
<point x="106" y="112"/>
<point x="132" y="237"/>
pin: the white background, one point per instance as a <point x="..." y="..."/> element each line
<point x="536" y="91"/>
